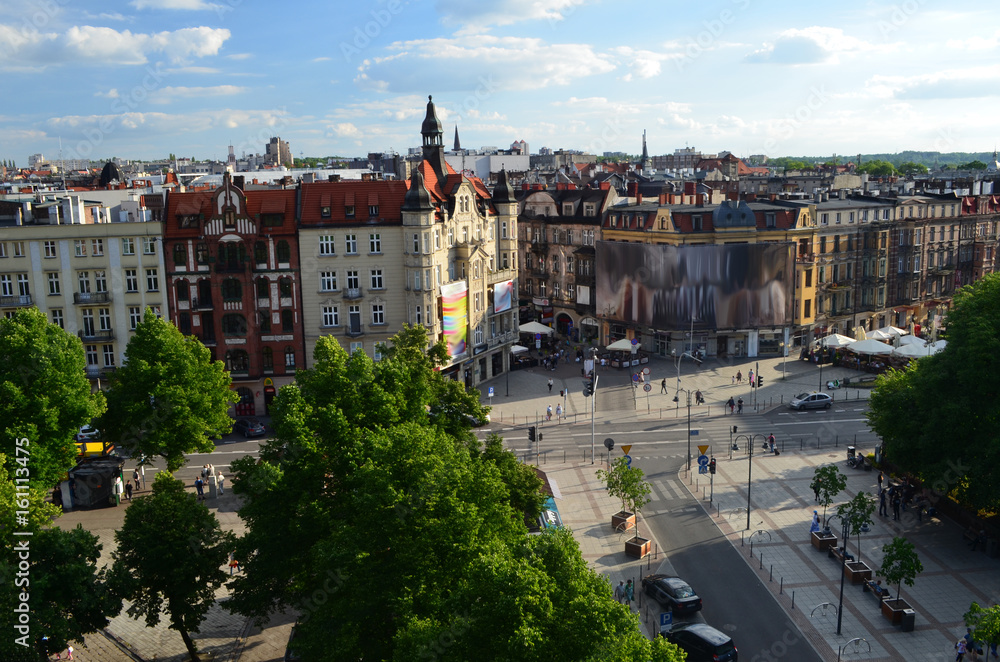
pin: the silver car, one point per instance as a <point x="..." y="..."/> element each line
<point x="815" y="400"/>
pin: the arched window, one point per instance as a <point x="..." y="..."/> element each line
<point x="287" y="321"/>
<point x="231" y="255"/>
<point x="237" y="360"/>
<point x="284" y="252"/>
<point x="183" y="290"/>
<point x="231" y="290"/>
<point x="268" y="356"/>
<point x="180" y="254"/>
<point x="260" y="253"/>
<point x="234" y="324"/>
<point x="264" y="321"/>
<point x="289" y="357"/>
<point x="263" y="288"/>
<point x="285" y="286"/>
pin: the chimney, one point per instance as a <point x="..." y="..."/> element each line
<point x="817" y="196"/>
<point x="366" y="176"/>
<point x="826" y="196"/>
<point x="774" y="196"/>
<point x="571" y="186"/>
<point x="638" y="198"/>
<point x="239" y="181"/>
<point x="843" y="194"/>
<point x="560" y="186"/>
<point x="605" y="186"/>
<point x="663" y="198"/>
<point x="700" y="201"/>
<point x="750" y="197"/>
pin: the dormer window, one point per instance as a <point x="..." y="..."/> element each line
<point x="324" y="212"/>
<point x="372" y="211"/>
<point x="696" y="224"/>
<point x="567" y="209"/>
<point x="349" y="211"/>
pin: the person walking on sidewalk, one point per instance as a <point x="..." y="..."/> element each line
<point x="882" y="510"/>
<point x="739" y="406"/>
<point x="559" y="412"/>
<point x="220" y="481"/>
<point x="731" y="404"/>
<point x="739" y="377"/>
<point x="620" y="592"/>
<point x="548" y="413"/>
<point x="550" y="384"/>
<point x="629" y="593"/>
<point x="128" y="490"/>
<point x="880" y="479"/>
<point x="663" y="385"/>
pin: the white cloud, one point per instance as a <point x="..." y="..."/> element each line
<point x="321" y="59"/>
<point x="483" y="15"/>
<point x="975" y="43"/>
<point x="345" y="130"/>
<point x="813" y="45"/>
<point x="110" y="94"/>
<point x="964" y="83"/>
<point x="478" y="65"/>
<point x="239" y="56"/>
<point x="643" y="63"/>
<point x="186" y="5"/>
<point x="170" y="94"/>
<point x="100" y="45"/>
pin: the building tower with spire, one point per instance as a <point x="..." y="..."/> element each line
<point x="458" y="145"/>
<point x="644" y="160"/>
<point x="433" y="135"/>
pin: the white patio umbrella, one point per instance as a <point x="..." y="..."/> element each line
<point x="859" y="333"/>
<point x="623" y="345"/>
<point x="518" y="349"/>
<point x="910" y="340"/>
<point x="535" y="327"/>
<point x="940" y="344"/>
<point x="835" y="340"/>
<point x="870" y="346"/>
<point x="881" y="334"/>
<point x="894" y="330"/>
<point x="915" y="351"/>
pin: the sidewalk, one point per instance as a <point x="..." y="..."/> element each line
<point x="788" y="565"/>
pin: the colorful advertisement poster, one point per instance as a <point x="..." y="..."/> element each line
<point x="502" y="298"/>
<point x="455" y="309"/>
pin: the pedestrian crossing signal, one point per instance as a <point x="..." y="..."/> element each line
<point x="588" y="388"/>
<point x="711" y="466"/>
<point x="531" y="433"/>
<point x="760" y="381"/>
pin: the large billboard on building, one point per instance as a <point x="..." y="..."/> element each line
<point x="502" y="296"/>
<point x="719" y="286"/>
<point x="455" y="310"/>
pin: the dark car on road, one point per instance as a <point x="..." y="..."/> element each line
<point x="249" y="427"/>
<point x="703" y="643"/>
<point x="672" y="592"/>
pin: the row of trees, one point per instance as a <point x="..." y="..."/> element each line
<point x="375" y="514"/>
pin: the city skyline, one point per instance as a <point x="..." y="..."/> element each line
<point x="143" y="79"/>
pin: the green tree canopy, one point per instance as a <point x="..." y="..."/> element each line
<point x="44" y="394"/>
<point x="985" y="623"/>
<point x="857" y="514"/>
<point x="877" y="167"/>
<point x="169" y="398"/>
<point x="900" y="563"/>
<point x="828" y="482"/>
<point x="975" y="164"/>
<point x="939" y="417"/>
<point x="911" y="168"/>
<point x="397" y="536"/>
<point x="170" y="558"/>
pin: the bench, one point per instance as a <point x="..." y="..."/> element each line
<point x="838" y="555"/>
<point x="877" y="592"/>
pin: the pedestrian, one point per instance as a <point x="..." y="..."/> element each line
<point x="739" y="406"/>
<point x="233" y="563"/>
<point x="816" y="487"/>
<point x="629" y="593"/>
<point x="896" y="500"/>
<point x="882" y="510"/>
<point x="751" y="378"/>
<point x="698" y="398"/>
<point x="734" y="379"/>
<point x="558" y="412"/>
<point x="199" y="486"/>
<point x="221" y="480"/>
<point x="548" y="413"/>
<point x="960" y="647"/>
<point x="739" y="377"/>
<point x="69" y="654"/>
<point x="971" y="647"/>
<point x="732" y="404"/>
<point x="135" y="478"/>
<point x="663" y="385"/>
<point x="880" y="477"/>
<point x="119" y="490"/>
<point x="814" y="526"/>
<point x="128" y="490"/>
<point x="550" y="385"/>
<point x="770" y="440"/>
<point x="620" y="592"/>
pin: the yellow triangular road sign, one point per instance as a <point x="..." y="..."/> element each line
<point x="626" y="449"/>
<point x="702" y="449"/>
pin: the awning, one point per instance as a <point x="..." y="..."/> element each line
<point x="590" y="321"/>
<point x="518" y="349"/>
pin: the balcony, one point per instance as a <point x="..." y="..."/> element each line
<point x="96" y="336"/>
<point x="352" y="293"/>
<point x="201" y="304"/>
<point x="354" y="330"/>
<point x="91" y="298"/>
<point x="13" y="301"/>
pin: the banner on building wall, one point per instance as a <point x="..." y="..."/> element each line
<point x="719" y="286"/>
<point x="455" y="310"/>
<point x="503" y="296"/>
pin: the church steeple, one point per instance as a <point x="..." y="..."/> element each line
<point x="645" y="153"/>
<point x="458" y="145"/>
<point x="433" y="140"/>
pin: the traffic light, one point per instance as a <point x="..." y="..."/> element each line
<point x="734" y="429"/>
<point x="588" y="388"/>
<point x="531" y="433"/>
<point x="711" y="466"/>
<point x="760" y="381"/>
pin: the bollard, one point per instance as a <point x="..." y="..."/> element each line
<point x="836" y="441"/>
<point x="770" y="576"/>
<point x="781" y="586"/>
<point x="718" y="509"/>
<point x="761" y="561"/>
<point x="793" y="599"/>
<point x="800" y="443"/>
<point x="751" y="548"/>
<point x="782" y="398"/>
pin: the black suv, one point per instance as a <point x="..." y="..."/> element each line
<point x="702" y="643"/>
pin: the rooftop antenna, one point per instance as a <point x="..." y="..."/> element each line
<point x="62" y="167"/>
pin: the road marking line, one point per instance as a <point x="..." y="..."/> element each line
<point x="839" y="420"/>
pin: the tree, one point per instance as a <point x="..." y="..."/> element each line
<point x="392" y="536"/>
<point x="877" y="167"/>
<point x="45" y="396"/>
<point x="614" y="479"/>
<point x="985" y="623"/>
<point x="828" y="482"/>
<point x="857" y="516"/>
<point x="169" y="398"/>
<point x="975" y="164"/>
<point x="900" y="563"/>
<point x="952" y="444"/>
<point x="636" y="492"/>
<point x="170" y="557"/>
<point x="67" y="594"/>
<point x="523" y="483"/>
<point x="911" y="168"/>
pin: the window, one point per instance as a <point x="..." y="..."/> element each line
<point x="6" y="286"/>
<point x="290" y="358"/>
<point x="284" y="252"/>
<point x="324" y="212"/>
<point x="808" y="278"/>
<point x="272" y="220"/>
<point x="416" y="242"/>
<point x="98" y="246"/>
<point x="3" y="249"/>
<point x="375" y="243"/>
<point x="104" y="316"/>
<point x="287" y="321"/>
<point x="128" y="246"/>
<point x="349" y="211"/>
<point x="357" y="347"/>
<point x="503" y="230"/>
<point x="50" y="249"/>
<point x="91" y="355"/>
<point x="331" y="316"/>
<point x="353" y="282"/>
<point x="237" y="360"/>
<point x="427" y="242"/>
<point x="260" y="254"/>
<point x="479" y="335"/>
<point x="152" y="280"/>
<point x="267" y="356"/>
<point x="807" y="308"/>
<point x="326" y="246"/>
<point x="262" y="287"/>
<point x="201" y="254"/>
<point x="149" y="245"/>
<point x="503" y="261"/>
<point x="131" y="281"/>
<point x="351" y="244"/>
<point x="54" y="283"/>
<point x="416" y="281"/>
<point x="419" y="315"/>
<point x="376" y="279"/>
<point x="770" y="220"/>
<point x="378" y="313"/>
<point x="285" y="287"/>
<point x="232" y="290"/>
<point x="180" y="255"/>
<point x="886" y="214"/>
<point x="451" y="236"/>
<point x="838" y="218"/>
<point x="88" y="323"/>
<point x="83" y="279"/>
<point x="79" y="248"/>
<point x="264" y="322"/>
<point x="372" y="210"/>
<point x="234" y="324"/>
<point x="327" y="281"/>
<point x="183" y="290"/>
<point x="57" y="318"/>
<point x="437" y="239"/>
<point x="100" y="281"/>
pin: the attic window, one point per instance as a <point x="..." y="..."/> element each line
<point x="696" y="223"/>
<point x="324" y="211"/>
<point x="372" y="210"/>
<point x="567" y="209"/>
<point x="589" y="209"/>
<point x="349" y="211"/>
<point x="770" y="220"/>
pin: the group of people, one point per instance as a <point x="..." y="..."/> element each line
<point x="208" y="471"/>
<point x="625" y="593"/>
<point x="898" y="497"/>
<point x="735" y="406"/>
<point x="968" y="644"/>
<point x="548" y="412"/>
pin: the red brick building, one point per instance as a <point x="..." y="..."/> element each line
<point x="233" y="268"/>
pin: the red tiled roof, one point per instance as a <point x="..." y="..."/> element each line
<point x="386" y="194"/>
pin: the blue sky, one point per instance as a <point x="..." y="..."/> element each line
<point x="143" y="78"/>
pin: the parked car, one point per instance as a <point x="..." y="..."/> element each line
<point x="249" y="427"/>
<point x="815" y="400"/>
<point x="87" y="433"/>
<point x="703" y="643"/>
<point x="672" y="592"/>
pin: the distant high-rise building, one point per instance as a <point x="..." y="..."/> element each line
<point x="278" y="152"/>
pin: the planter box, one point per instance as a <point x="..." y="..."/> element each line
<point x="823" y="541"/>
<point x="893" y="610"/>
<point x="857" y="572"/>
<point x="637" y="547"/>
<point x="623" y="521"/>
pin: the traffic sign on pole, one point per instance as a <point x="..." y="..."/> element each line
<point x="703" y="469"/>
<point x="703" y="460"/>
<point x="491" y="392"/>
<point x="647" y="388"/>
<point x="628" y="461"/>
<point x="666" y="621"/>
<point x="626" y="449"/>
<point x="702" y="450"/>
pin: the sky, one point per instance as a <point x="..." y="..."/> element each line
<point x="140" y="79"/>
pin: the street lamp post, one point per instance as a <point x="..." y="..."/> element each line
<point x="751" y="440"/>
<point x="843" y="571"/>
<point x="593" y="403"/>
